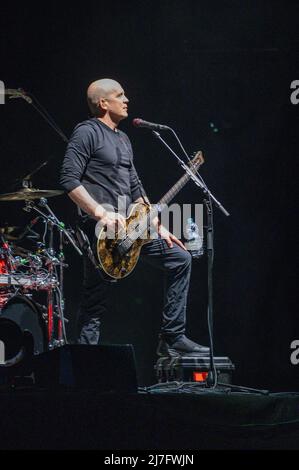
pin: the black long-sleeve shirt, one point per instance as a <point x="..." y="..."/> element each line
<point x="101" y="160"/>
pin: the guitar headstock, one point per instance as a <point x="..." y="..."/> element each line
<point x="196" y="161"/>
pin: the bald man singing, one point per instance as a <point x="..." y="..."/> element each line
<point x="97" y="169"/>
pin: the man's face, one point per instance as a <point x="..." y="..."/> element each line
<point x="117" y="104"/>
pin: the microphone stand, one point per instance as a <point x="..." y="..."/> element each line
<point x="194" y="178"/>
<point x="32" y="100"/>
<point x="209" y="199"/>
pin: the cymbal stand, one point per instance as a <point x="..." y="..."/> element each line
<point x="50" y="295"/>
<point x="52" y="221"/>
<point x="60" y="299"/>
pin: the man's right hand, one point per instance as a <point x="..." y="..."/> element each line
<point x="113" y="221"/>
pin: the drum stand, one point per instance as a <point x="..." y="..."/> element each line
<point x="56" y="337"/>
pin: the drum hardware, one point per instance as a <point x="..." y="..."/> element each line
<point x="52" y="220"/>
<point x="28" y="193"/>
<point x="4" y="297"/>
<point x="8" y="232"/>
<point x="6" y="256"/>
<point x="30" y="281"/>
<point x="35" y="262"/>
<point x="24" y="272"/>
<point x="52" y="262"/>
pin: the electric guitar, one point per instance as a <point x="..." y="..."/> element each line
<point x="119" y="255"/>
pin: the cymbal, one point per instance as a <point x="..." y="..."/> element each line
<point x="28" y="194"/>
<point x="8" y="231"/>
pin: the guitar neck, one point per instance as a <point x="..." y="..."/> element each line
<point x="145" y="223"/>
<point x="174" y="190"/>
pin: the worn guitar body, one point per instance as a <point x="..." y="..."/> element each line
<point x="118" y="256"/>
<point x="111" y="262"/>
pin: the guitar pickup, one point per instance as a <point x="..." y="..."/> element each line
<point x="124" y="246"/>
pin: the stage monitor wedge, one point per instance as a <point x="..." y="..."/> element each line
<point x="106" y="368"/>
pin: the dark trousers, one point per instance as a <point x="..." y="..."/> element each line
<point x="176" y="266"/>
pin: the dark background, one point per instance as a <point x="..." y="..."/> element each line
<point x="186" y="64"/>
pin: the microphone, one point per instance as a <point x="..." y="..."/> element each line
<point x="19" y="93"/>
<point x="137" y="122"/>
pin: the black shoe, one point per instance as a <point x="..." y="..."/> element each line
<point x="181" y="346"/>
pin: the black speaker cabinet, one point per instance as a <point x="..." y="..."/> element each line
<point x="107" y="368"/>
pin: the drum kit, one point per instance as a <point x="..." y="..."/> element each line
<point x="28" y="275"/>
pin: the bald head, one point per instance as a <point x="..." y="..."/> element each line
<point x="98" y="90"/>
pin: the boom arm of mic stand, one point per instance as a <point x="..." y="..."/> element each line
<point x="46" y="116"/>
<point x="194" y="178"/>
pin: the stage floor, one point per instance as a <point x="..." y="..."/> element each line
<point x="163" y="418"/>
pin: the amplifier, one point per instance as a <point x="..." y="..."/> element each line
<point x="193" y="369"/>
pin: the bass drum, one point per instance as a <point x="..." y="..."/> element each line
<point x="27" y="315"/>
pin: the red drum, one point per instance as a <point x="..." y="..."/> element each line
<point x="3" y="266"/>
<point x="4" y="293"/>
